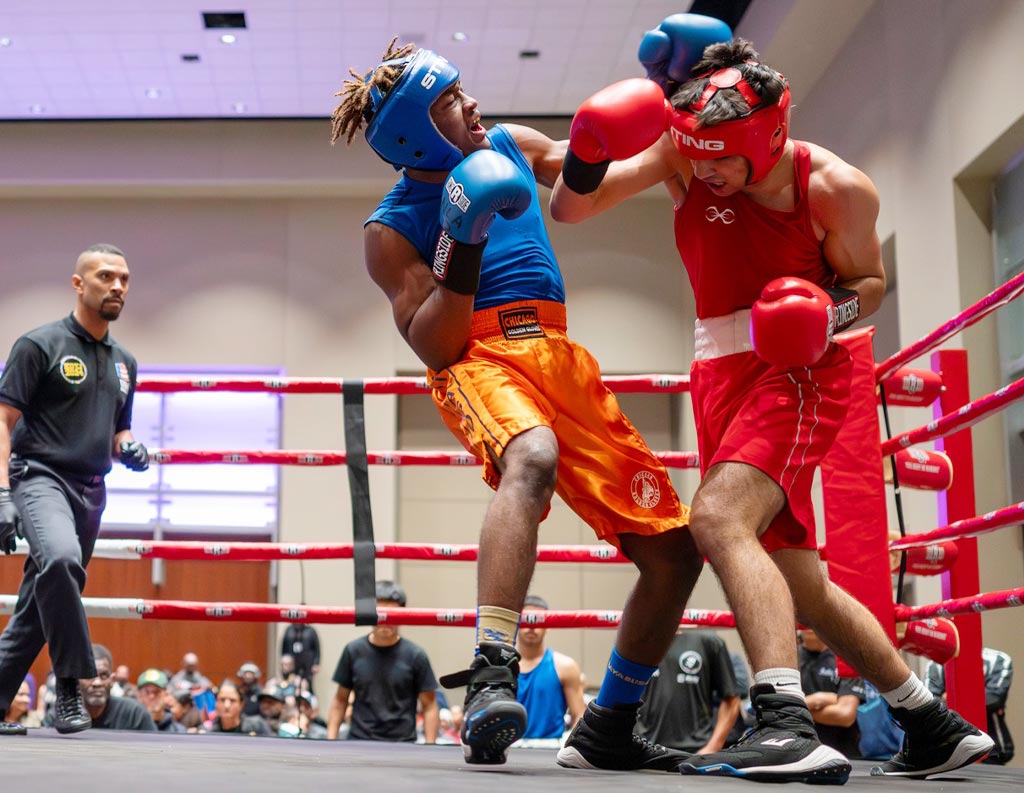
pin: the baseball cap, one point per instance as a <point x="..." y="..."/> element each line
<point x="273" y="692"/>
<point x="249" y="666"/>
<point x="152" y="677"/>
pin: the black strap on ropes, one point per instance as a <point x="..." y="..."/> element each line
<point x="363" y="553"/>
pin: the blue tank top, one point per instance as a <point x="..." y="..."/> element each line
<point x="540" y="692"/>
<point x="519" y="263"/>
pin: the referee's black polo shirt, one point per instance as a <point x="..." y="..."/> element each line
<point x="74" y="393"/>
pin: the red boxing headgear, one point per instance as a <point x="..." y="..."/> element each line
<point x="759" y="136"/>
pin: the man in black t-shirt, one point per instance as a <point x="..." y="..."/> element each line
<point x="388" y="675"/>
<point x="109" y="712"/>
<point x="678" y="709"/>
<point x="65" y="410"/>
<point x="832" y="700"/>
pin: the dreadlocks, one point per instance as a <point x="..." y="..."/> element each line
<point x="348" y="116"/>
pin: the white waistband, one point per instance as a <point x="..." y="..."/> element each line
<point x="716" y="337"/>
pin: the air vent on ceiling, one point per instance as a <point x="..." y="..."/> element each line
<point x="524" y="54"/>
<point x="224" y="19"/>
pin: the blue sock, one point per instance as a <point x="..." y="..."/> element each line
<point x="624" y="681"/>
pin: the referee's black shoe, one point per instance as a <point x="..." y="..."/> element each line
<point x="69" y="713"/>
<point x="604" y="738"/>
<point x="492" y="718"/>
<point x="12" y="728"/>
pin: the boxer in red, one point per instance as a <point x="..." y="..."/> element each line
<point x="778" y="239"/>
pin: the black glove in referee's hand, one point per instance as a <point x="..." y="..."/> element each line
<point x="10" y="521"/>
<point x="134" y="455"/>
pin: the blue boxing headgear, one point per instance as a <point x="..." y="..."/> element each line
<point x="399" y="126"/>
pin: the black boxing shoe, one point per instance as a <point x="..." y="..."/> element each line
<point x="783" y="747"/>
<point x="935" y="739"/>
<point x="12" y="728"/>
<point x="604" y="738"/>
<point x="69" y="713"/>
<point x="492" y="718"/>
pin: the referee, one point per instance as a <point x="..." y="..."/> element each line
<point x="65" y="410"/>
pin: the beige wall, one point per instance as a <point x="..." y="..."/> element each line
<point x="244" y="240"/>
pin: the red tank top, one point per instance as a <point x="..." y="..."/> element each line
<point x="731" y="247"/>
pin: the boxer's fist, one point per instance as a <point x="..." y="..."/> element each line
<point x="616" y="123"/>
<point x="673" y="48"/>
<point x="791" y="324"/>
<point x="10" y="521"/>
<point x="134" y="455"/>
<point x="482" y="185"/>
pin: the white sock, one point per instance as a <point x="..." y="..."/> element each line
<point x="786" y="682"/>
<point x="911" y="695"/>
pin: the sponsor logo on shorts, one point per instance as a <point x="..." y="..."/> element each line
<point x="645" y="490"/>
<point x="73" y="369"/>
<point x="520" y="323"/>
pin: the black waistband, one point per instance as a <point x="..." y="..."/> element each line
<point x="81" y="479"/>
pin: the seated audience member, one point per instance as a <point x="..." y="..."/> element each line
<point x="271" y="702"/>
<point x="287" y="679"/>
<point x="179" y="701"/>
<point x="310" y="723"/>
<point x="997" y="667"/>
<point x="228" y="715"/>
<point x="21" y="711"/>
<point x="106" y="710"/>
<point x="123" y="686"/>
<point x="832" y="700"/>
<point x="199" y="684"/>
<point x="249" y="687"/>
<point x="388" y="675"/>
<point x="549" y="681"/>
<point x="678" y="709"/>
<point x="151" y="691"/>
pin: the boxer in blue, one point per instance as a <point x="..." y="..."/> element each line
<point x="480" y="300"/>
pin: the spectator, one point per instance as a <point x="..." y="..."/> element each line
<point x="302" y="643"/>
<point x="152" y="693"/>
<point x="199" y="684"/>
<point x="388" y="675"/>
<point x="228" y="714"/>
<point x="123" y="686"/>
<point x="183" y="710"/>
<point x="310" y="723"/>
<point x="549" y="681"/>
<point x="21" y="711"/>
<point x="249" y="687"/>
<point x="106" y="710"/>
<point x="678" y="709"/>
<point x="287" y="680"/>
<point x="997" y="667"/>
<point x="271" y="702"/>
<point x="832" y="700"/>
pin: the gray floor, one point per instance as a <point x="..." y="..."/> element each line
<point x="102" y="761"/>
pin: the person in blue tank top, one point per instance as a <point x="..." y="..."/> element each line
<point x="480" y="300"/>
<point x="550" y="682"/>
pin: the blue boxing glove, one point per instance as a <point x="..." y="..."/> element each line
<point x="673" y="48"/>
<point x="483" y="185"/>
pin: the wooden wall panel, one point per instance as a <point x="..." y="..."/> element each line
<point x="221" y="647"/>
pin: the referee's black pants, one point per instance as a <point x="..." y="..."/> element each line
<point x="61" y="519"/>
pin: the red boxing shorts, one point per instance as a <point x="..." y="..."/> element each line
<point x="780" y="421"/>
<point x="521" y="371"/>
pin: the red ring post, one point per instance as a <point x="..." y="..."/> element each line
<point x="965" y="680"/>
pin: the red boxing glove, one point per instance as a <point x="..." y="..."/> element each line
<point x="616" y="123"/>
<point x="791" y="325"/>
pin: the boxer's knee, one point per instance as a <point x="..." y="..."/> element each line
<point x="531" y="462"/>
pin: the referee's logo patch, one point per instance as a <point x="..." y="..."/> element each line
<point x="73" y="369"/>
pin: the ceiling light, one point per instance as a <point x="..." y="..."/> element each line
<point x="5" y="42"/>
<point x="239" y="107"/>
<point x="36" y="109"/>
<point x="458" y="36"/>
<point x="152" y="93"/>
<point x="228" y="38"/>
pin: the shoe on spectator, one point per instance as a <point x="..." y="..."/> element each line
<point x="604" y="738"/>
<point x="936" y="739"/>
<point x="69" y="713"/>
<point x="492" y="718"/>
<point x="782" y="747"/>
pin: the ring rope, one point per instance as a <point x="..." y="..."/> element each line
<point x="988" y="601"/>
<point x="319" y="457"/>
<point x="400" y="386"/>
<point x="997" y="298"/>
<point x="967" y="416"/>
<point x="140" y="608"/>
<point x="969" y="527"/>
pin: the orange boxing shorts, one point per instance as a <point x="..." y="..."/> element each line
<point x="780" y="421"/>
<point x="521" y="371"/>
